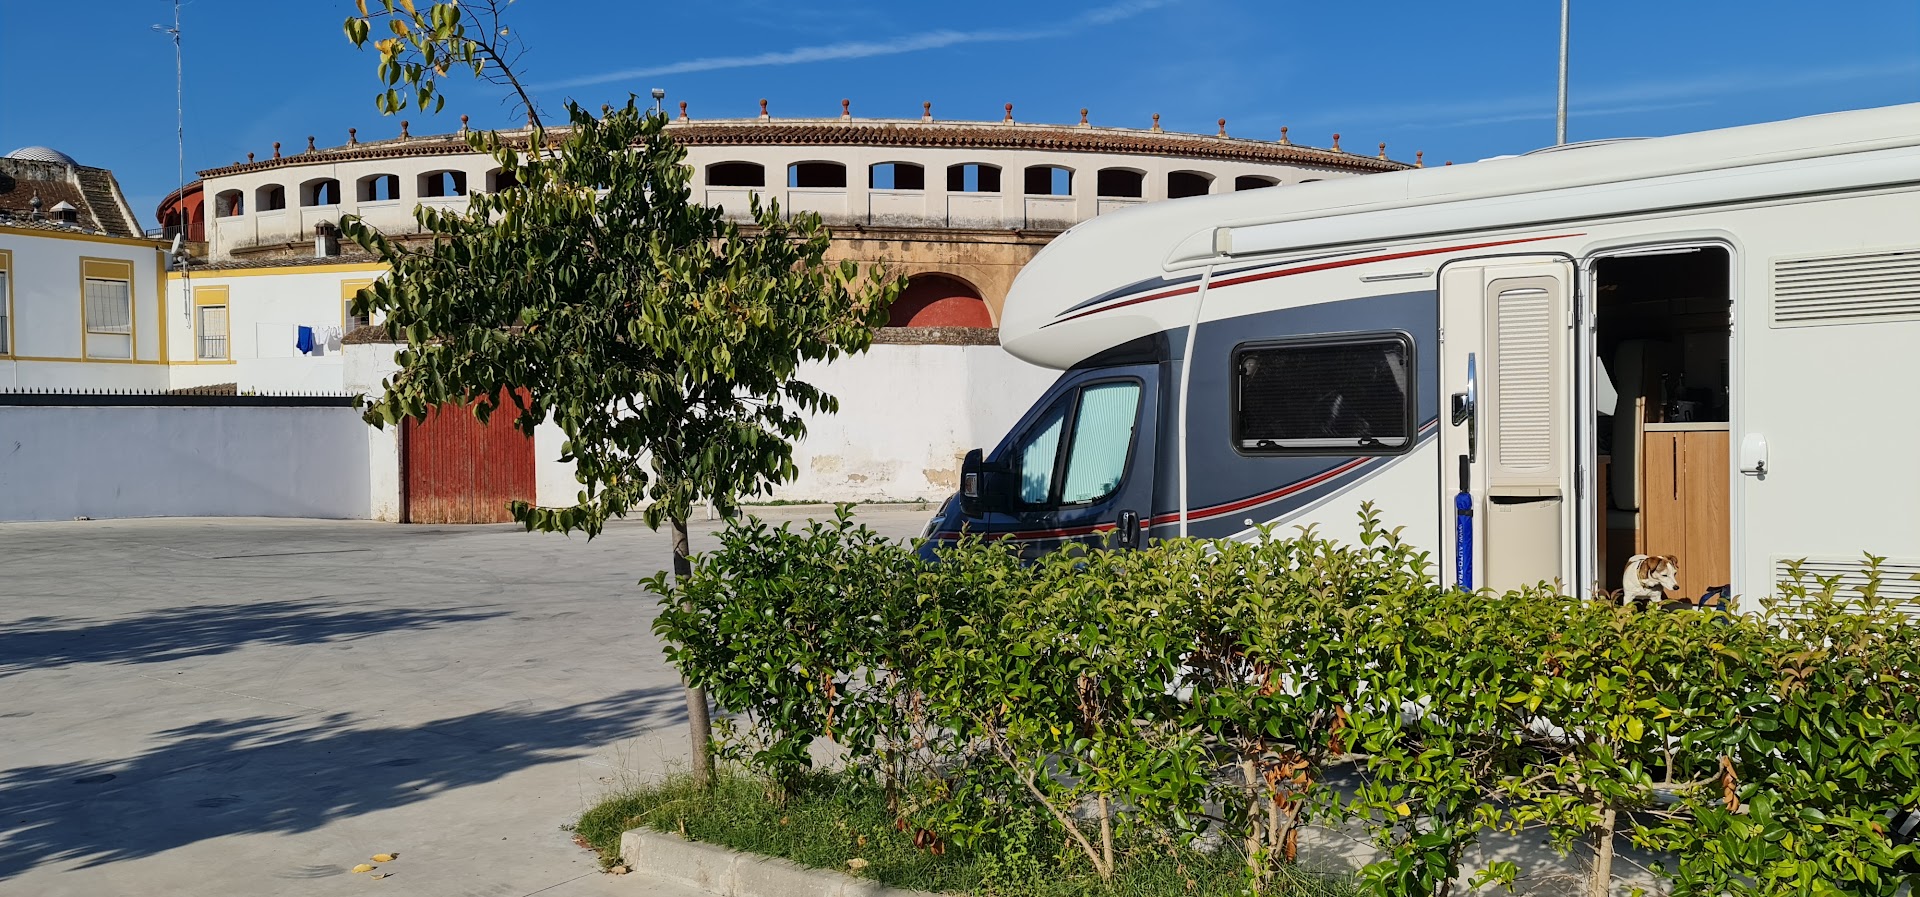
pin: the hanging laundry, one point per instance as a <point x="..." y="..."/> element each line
<point x="304" y="340"/>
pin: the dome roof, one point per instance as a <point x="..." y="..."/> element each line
<point x="41" y="154"/>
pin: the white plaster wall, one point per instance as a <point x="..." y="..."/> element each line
<point x="69" y="375"/>
<point x="45" y="320"/>
<point x="554" y="485"/>
<point x="908" y="414"/>
<point x="175" y="461"/>
<point x="365" y="367"/>
<point x="263" y="314"/>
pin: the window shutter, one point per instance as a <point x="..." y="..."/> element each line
<point x="1524" y="315"/>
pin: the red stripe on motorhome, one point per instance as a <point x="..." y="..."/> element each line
<point x="1309" y="269"/>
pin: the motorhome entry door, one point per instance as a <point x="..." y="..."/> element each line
<point x="1506" y="429"/>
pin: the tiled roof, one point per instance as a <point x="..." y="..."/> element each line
<point x="370" y="334"/>
<point x="105" y="202"/>
<point x="297" y="261"/>
<point x="92" y="191"/>
<point x="937" y="336"/>
<point x="883" y="132"/>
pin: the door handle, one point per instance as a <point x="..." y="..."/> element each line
<point x="1466" y="407"/>
<point x="1128" y="530"/>
<point x="1753" y="455"/>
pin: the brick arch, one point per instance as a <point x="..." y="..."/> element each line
<point x="939" y="300"/>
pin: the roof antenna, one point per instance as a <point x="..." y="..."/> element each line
<point x="178" y="252"/>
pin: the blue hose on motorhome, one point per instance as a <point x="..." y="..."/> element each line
<point x="1463" y="527"/>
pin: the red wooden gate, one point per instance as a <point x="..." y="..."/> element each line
<point x="457" y="470"/>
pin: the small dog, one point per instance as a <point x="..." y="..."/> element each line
<point x="1648" y="578"/>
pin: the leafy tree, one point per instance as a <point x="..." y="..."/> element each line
<point x="662" y="338"/>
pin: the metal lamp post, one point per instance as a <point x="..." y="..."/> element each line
<point x="1566" y="13"/>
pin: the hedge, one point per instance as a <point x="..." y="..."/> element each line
<point x="1209" y="690"/>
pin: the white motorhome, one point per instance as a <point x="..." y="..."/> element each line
<point x="1705" y="346"/>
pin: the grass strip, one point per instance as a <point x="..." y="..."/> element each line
<point x="833" y="819"/>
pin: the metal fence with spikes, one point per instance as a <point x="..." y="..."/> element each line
<point x="102" y="397"/>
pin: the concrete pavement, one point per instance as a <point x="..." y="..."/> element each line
<point x="251" y="707"/>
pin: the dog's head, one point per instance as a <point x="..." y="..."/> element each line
<point x="1660" y="570"/>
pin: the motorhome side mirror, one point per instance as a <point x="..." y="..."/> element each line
<point x="982" y="490"/>
<point x="971" y="471"/>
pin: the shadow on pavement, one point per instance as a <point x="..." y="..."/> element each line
<point x="282" y="775"/>
<point x="175" y="633"/>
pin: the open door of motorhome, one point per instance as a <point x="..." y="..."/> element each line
<point x="1508" y="478"/>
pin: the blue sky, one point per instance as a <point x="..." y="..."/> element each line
<point x="1461" y="81"/>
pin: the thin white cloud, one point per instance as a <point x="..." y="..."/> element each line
<point x="1621" y="99"/>
<point x="1581" y="111"/>
<point x="934" y="40"/>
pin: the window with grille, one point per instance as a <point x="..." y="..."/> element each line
<point x="6" y="315"/>
<point x="349" y="290"/>
<point x="109" y="306"/>
<point x="109" y="315"/>
<point x="1325" y="397"/>
<point x="212" y="332"/>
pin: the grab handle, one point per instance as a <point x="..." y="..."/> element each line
<point x="1466" y="406"/>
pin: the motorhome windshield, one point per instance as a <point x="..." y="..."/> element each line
<point x="1077" y="452"/>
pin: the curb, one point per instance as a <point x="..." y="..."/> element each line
<point x="730" y="873"/>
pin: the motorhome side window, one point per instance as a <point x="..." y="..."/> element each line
<point x="1324" y="397"/>
<point x="1076" y="453"/>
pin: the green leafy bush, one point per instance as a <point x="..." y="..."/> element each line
<point x="795" y="630"/>
<point x="1212" y="690"/>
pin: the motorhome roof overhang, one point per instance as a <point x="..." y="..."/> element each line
<point x="1847" y="151"/>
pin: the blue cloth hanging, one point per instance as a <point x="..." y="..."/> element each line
<point x="304" y="341"/>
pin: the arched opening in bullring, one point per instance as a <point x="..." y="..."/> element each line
<point x="378" y="187"/>
<point x="270" y="198"/>
<point x="973" y="177"/>
<point x="1121" y="183"/>
<point x="1254" y="182"/>
<point x="228" y="203"/>
<point x="443" y="183"/>
<point x="320" y="192"/>
<point x="939" y="300"/>
<point x="1188" y="183"/>
<point x="832" y="175"/>
<point x="1049" y="180"/>
<point x="501" y="179"/>
<point x="736" y="174"/>
<point x="896" y="176"/>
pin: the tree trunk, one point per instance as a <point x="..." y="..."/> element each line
<point x="1253" y="836"/>
<point x="1106" y="834"/>
<point x="699" y="725"/>
<point x="1600" y="879"/>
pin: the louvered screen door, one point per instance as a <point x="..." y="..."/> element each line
<point x="1513" y="319"/>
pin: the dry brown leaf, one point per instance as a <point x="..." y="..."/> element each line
<point x="856" y="864"/>
<point x="380" y="875"/>
<point x="620" y="870"/>
<point x="363" y="867"/>
<point x="385" y="857"/>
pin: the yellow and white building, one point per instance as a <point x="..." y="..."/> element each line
<point x="83" y="300"/>
<point x="246" y="320"/>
